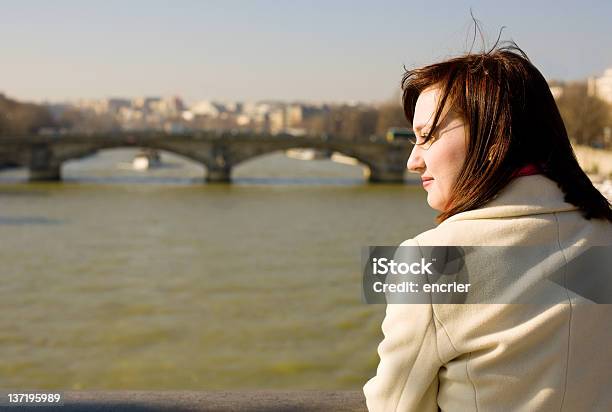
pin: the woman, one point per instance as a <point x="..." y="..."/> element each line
<point x="496" y="161"/>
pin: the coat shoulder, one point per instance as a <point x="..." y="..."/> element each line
<point x="534" y="229"/>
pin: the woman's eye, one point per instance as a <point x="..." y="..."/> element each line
<point x="428" y="138"/>
<point x="425" y="140"/>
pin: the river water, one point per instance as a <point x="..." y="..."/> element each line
<point x="123" y="279"/>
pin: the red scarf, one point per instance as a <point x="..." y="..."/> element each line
<point x="527" y="170"/>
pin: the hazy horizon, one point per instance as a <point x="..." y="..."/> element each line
<point x="339" y="51"/>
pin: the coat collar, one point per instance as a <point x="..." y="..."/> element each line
<point x="525" y="195"/>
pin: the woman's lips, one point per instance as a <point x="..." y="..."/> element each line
<point x="427" y="181"/>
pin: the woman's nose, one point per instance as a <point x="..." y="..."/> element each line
<point x="415" y="162"/>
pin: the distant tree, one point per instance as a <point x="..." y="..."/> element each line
<point x="391" y="114"/>
<point x="3" y="118"/>
<point x="317" y="124"/>
<point x="87" y="121"/>
<point x="585" y="116"/>
<point x="70" y="118"/>
<point x="361" y="123"/>
<point x="22" y="118"/>
<point x="352" y="122"/>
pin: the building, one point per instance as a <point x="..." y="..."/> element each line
<point x="601" y="86"/>
<point x="168" y="107"/>
<point x="278" y="120"/>
<point x="207" y="108"/>
<point x="556" y="88"/>
<point x="294" y="115"/>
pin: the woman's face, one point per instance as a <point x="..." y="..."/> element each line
<point x="441" y="163"/>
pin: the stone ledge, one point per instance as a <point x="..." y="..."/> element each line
<point x="209" y="401"/>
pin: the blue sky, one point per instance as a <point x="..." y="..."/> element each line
<point x="262" y="49"/>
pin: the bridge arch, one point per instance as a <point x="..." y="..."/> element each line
<point x="281" y="165"/>
<point x="359" y="163"/>
<point x="119" y="162"/>
<point x="52" y="170"/>
<point x="83" y="152"/>
<point x="383" y="162"/>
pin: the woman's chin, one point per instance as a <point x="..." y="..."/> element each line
<point x="434" y="202"/>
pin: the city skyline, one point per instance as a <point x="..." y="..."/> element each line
<point x="254" y="51"/>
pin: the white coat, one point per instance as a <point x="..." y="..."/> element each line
<point x="502" y="357"/>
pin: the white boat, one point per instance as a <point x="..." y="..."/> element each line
<point x="146" y="159"/>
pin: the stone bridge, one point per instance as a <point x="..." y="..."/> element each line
<point x="218" y="152"/>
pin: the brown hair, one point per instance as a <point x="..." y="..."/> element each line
<point x="512" y="120"/>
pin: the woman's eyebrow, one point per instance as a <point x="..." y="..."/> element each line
<point x="420" y="127"/>
<point x="442" y="127"/>
<point x="447" y="118"/>
<point x="446" y="128"/>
